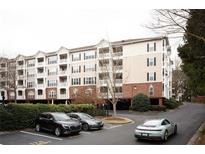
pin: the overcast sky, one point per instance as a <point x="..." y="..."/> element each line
<point x="26" y="28"/>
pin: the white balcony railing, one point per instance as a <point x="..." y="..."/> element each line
<point x="63" y="60"/>
<point x="104" y="55"/>
<point x="20" y="97"/>
<point x="103" y="82"/>
<point x="40" y="97"/>
<point x="40" y="85"/>
<point x="40" y="63"/>
<point x="63" y="72"/>
<point x="63" y="96"/>
<point x="117" y="54"/>
<point x="63" y="84"/>
<point x="118" y="81"/>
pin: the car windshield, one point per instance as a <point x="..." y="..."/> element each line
<point x="85" y="116"/>
<point x="61" y="117"/>
<point x="151" y="123"/>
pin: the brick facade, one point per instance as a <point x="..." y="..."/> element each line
<point x="48" y="90"/>
<point x="80" y="90"/>
<point x="130" y="90"/>
<point x="27" y="94"/>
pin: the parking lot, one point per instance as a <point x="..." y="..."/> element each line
<point x="31" y="137"/>
<point x="188" y="118"/>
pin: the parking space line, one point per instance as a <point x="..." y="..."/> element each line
<point x="35" y="134"/>
<point x="112" y="127"/>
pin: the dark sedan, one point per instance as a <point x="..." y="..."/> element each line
<point x="57" y="122"/>
<point x="88" y="122"/>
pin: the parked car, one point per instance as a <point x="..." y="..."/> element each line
<point x="57" y="122"/>
<point x="88" y="122"/>
<point x="156" y="129"/>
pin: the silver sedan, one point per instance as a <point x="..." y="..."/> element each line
<point x="159" y="129"/>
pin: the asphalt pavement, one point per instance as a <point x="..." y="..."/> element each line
<point x="188" y="117"/>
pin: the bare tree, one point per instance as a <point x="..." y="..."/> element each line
<point x="110" y="65"/>
<point x="172" y="21"/>
<point x="179" y="80"/>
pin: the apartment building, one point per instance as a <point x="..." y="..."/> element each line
<point x="133" y="66"/>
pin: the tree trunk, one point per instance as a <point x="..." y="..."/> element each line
<point x="114" y="109"/>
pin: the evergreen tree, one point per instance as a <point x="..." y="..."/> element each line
<point x="192" y="52"/>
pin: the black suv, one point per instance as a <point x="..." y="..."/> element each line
<point x="57" y="122"/>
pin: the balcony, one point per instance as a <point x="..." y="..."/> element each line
<point x="31" y="97"/>
<point x="31" y="65"/>
<point x="41" y="85"/>
<point x="103" y="82"/>
<point x="20" y="97"/>
<point x="40" y="97"/>
<point x="63" y="84"/>
<point x="117" y="54"/>
<point x="40" y="74"/>
<point x="63" y="96"/>
<point x="31" y="75"/>
<point x="118" y="81"/>
<point x="63" y="72"/>
<point x="104" y="55"/>
<point x="40" y="63"/>
<point x="63" y="60"/>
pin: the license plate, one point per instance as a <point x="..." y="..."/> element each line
<point x="144" y="134"/>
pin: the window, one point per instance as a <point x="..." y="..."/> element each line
<point x="151" y="61"/>
<point x="52" y="60"/>
<point x="147" y="47"/>
<point x="89" y="67"/>
<point x="40" y="81"/>
<point x="62" y="91"/>
<point x="76" y="81"/>
<point x="103" y="89"/>
<point x="20" y="93"/>
<point x="76" y="69"/>
<point x="31" y="95"/>
<point x="52" y="71"/>
<point x="52" y="94"/>
<point x="76" y="57"/>
<point x="155" y="46"/>
<point x="31" y="63"/>
<point x="40" y="60"/>
<point x="151" y="47"/>
<point x="40" y="92"/>
<point x="151" y="90"/>
<point x="31" y="73"/>
<point x="3" y="65"/>
<point x="90" y="80"/>
<point x="20" y="82"/>
<point x="30" y="84"/>
<point x="89" y="55"/>
<point x="151" y="76"/>
<point x="88" y="91"/>
<point x="165" y="122"/>
<point x="52" y="83"/>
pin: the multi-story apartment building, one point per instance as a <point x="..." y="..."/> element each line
<point x="135" y="65"/>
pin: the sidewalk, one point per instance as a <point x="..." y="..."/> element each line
<point x="199" y="136"/>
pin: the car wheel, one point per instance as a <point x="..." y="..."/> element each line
<point x="166" y="135"/>
<point x="57" y="131"/>
<point x="175" y="130"/>
<point x="38" y="128"/>
<point x="85" y="127"/>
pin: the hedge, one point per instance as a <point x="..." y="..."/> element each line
<point x="19" y="116"/>
<point x="171" y="103"/>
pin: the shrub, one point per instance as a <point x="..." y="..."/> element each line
<point x="172" y="103"/>
<point x="157" y="108"/>
<point x="140" y="103"/>
<point x="19" y="116"/>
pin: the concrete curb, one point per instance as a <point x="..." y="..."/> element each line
<point x="123" y="121"/>
<point x="198" y="133"/>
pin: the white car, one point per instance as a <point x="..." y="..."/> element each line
<point x="159" y="129"/>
